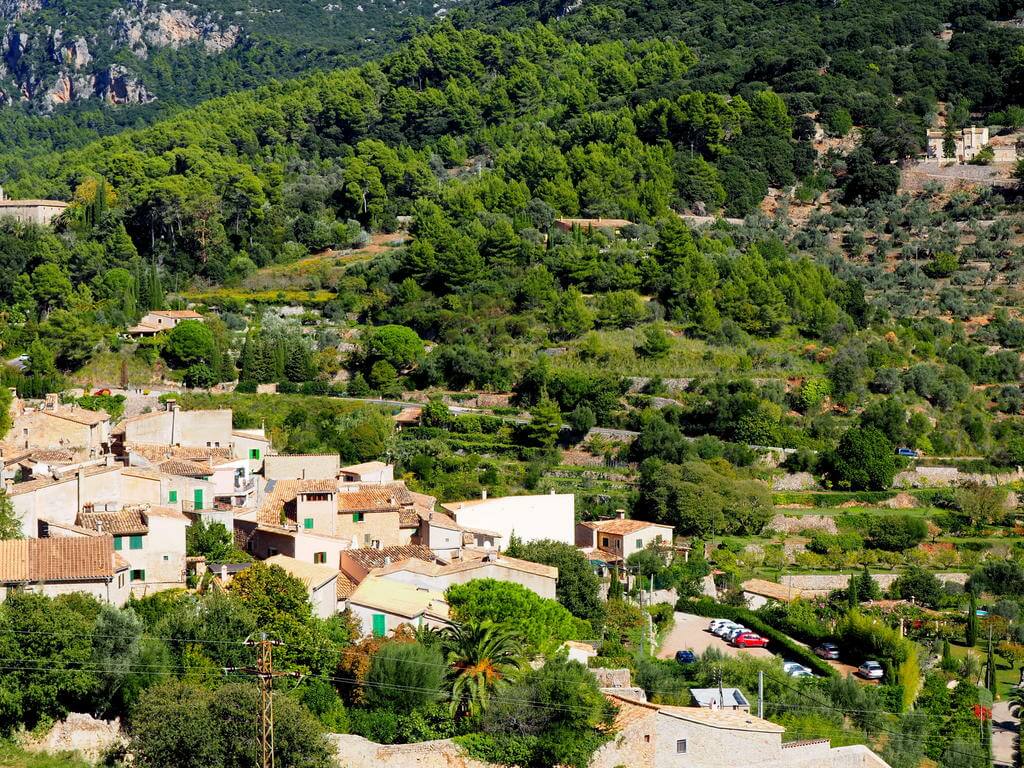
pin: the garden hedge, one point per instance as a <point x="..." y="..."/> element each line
<point x="780" y="643"/>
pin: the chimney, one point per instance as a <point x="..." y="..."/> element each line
<point x="387" y="559"/>
<point x="483" y="494"/>
<point x="2" y="194"/>
<point x="551" y="492"/>
<point x="621" y="513"/>
<point x="51" y="401"/>
<point x="99" y="526"/>
<point x="224" y="574"/>
<point x="80" y="487"/>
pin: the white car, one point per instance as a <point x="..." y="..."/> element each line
<point x="724" y="629"/>
<point x="871" y="670"/>
<point x="793" y="669"/>
<point x="733" y="633"/>
<point x="716" y="623"/>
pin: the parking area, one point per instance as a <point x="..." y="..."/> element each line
<point x="690" y="633"/>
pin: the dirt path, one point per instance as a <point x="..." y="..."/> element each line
<point x="1004" y="734"/>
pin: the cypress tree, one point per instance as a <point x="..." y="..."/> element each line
<point x="615" y="590"/>
<point x="853" y="592"/>
<point x="971" y="633"/>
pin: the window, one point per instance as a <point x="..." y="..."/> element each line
<point x="135" y="542"/>
<point x="604" y="541"/>
<point x="380" y="624"/>
<point x="318" y="497"/>
<point x="172" y="496"/>
<point x="307" y="523"/>
<point x="166" y="558"/>
<point x="358" y="517"/>
<point x="271" y="551"/>
<point x="254" y="453"/>
<point x="639" y="543"/>
<point x="117" y="543"/>
<point x="319" y="557"/>
<point x="647" y="738"/>
<point x="138" y="575"/>
<point x="208" y="444"/>
<point x="120" y="579"/>
<point x="216" y="443"/>
<point x="680" y="746"/>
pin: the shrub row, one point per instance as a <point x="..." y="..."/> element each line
<point x="828" y="500"/>
<point x="781" y="644"/>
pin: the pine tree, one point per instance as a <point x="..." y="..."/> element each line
<point x="156" y="290"/>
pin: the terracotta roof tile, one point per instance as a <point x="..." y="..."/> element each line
<point x="318" y="486"/>
<point x="369" y="497"/>
<point x="184" y="468"/>
<point x="79" y="415"/>
<point x="370" y="558"/>
<point x="345" y="586"/>
<point x="65" y="558"/>
<point x="178" y="314"/>
<point x="620" y="527"/>
<point x="127" y="522"/>
<point x="157" y="453"/>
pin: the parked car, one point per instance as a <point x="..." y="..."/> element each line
<point x="686" y="657"/>
<point x="716" y="623"/>
<point x="827" y="651"/>
<point x="871" y="670"/>
<point x="733" y="633"/>
<point x="723" y="629"/>
<point x="793" y="669"/>
<point x="909" y="453"/>
<point x="749" y="640"/>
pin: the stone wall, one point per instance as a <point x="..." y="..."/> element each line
<point x="81" y="733"/>
<point x="826" y="582"/>
<point x="356" y="752"/>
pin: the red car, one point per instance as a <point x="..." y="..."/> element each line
<point x="749" y="640"/>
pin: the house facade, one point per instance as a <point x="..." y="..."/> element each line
<point x="473" y="564"/>
<point x="56" y="426"/>
<point x="63" y="565"/>
<point x="380" y="606"/>
<point x="159" y="320"/>
<point x="321" y="582"/>
<point x="618" y="538"/>
<point x="529" y="518"/>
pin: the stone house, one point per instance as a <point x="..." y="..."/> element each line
<point x="62" y="565"/>
<point x="191" y="429"/>
<point x="381" y="606"/>
<point x="968" y="143"/>
<point x="159" y="320"/>
<point x="367" y="472"/>
<point x="472" y="564"/>
<point x="56" y="426"/>
<point x="760" y="592"/>
<point x="38" y="212"/>
<point x="616" y="539"/>
<point x="151" y="538"/>
<point x="529" y="518"/>
<point x="321" y="582"/>
<point x="660" y="736"/>
<point x="318" y="466"/>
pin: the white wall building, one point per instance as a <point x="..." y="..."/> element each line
<point x="530" y="518"/>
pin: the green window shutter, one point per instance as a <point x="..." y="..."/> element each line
<point x="639" y="543"/>
<point x="172" y="496"/>
<point x="379" y="624"/>
<point x="357" y="517"/>
<point x="138" y="575"/>
<point x="307" y="523"/>
<point x="254" y="453"/>
<point x="197" y="497"/>
<point x="135" y="542"/>
<point x="117" y="543"/>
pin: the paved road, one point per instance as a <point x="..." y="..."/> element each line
<point x="1004" y="734"/>
<point x="691" y="632"/>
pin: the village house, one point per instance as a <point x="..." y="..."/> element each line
<point x="661" y="736"/>
<point x="151" y="538"/>
<point x="56" y="426"/>
<point x="616" y="539"/>
<point x="367" y="472"/>
<point x="303" y="466"/>
<point x="380" y="606"/>
<point x="62" y="565"/>
<point x="968" y="142"/>
<point x="191" y="429"/>
<point x="39" y="212"/>
<point x="529" y="518"/>
<point x="358" y="563"/>
<point x="159" y="320"/>
<point x="321" y="582"/>
<point x="59" y="498"/>
<point x="200" y="478"/>
<point x="472" y="564"/>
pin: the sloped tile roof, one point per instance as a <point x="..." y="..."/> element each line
<point x="318" y="486"/>
<point x="79" y="415"/>
<point x="184" y="468"/>
<point x="313" y="575"/>
<point x="622" y="527"/>
<point x="65" y="558"/>
<point x="370" y="558"/>
<point x="399" y="598"/>
<point x="345" y="586"/>
<point x="127" y="522"/>
<point x="156" y="453"/>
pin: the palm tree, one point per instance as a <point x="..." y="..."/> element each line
<point x="481" y="656"/>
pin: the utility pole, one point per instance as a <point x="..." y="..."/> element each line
<point x="265" y="675"/>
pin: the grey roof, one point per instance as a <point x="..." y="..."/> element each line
<point x="708" y="697"/>
<point x="232" y="568"/>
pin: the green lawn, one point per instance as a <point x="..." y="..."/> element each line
<point x="13" y="756"/>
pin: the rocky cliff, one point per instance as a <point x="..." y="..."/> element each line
<point x="49" y="55"/>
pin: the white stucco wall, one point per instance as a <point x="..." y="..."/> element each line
<point x="548" y="516"/>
